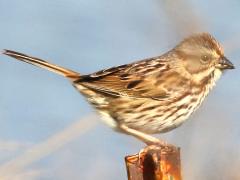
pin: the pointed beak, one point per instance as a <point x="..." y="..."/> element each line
<point x="224" y="63"/>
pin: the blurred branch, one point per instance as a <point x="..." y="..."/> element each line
<point x="155" y="163"/>
<point x="46" y="147"/>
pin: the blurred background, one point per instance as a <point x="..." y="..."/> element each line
<point x="48" y="131"/>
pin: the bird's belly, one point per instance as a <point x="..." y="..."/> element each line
<point x="145" y="114"/>
<point x="153" y="116"/>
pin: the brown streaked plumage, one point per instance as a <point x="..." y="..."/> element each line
<point x="153" y="95"/>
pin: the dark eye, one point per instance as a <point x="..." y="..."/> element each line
<point x="205" y="59"/>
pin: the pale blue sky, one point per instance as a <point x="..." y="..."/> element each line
<point x="86" y="36"/>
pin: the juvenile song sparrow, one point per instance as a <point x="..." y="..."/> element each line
<point x="152" y="95"/>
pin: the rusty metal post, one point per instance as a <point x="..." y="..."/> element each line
<point x="155" y="163"/>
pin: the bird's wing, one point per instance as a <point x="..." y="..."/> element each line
<point x="144" y="79"/>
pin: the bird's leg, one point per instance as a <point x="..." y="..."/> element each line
<point x="148" y="139"/>
<point x="151" y="141"/>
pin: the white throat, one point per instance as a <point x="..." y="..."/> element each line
<point x="216" y="76"/>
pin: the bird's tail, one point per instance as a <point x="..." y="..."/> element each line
<point x="43" y="64"/>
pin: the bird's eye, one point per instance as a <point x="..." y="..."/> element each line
<point x="205" y="59"/>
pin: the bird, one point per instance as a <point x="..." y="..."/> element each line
<point x="153" y="95"/>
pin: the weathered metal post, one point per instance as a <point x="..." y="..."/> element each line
<point x="155" y="163"/>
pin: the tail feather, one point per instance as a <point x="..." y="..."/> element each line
<point x="43" y="64"/>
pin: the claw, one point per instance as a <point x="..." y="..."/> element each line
<point x="152" y="146"/>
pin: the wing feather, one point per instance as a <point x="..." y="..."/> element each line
<point x="144" y="79"/>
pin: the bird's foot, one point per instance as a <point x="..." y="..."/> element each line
<point x="153" y="146"/>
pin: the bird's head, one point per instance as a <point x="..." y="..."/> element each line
<point x="201" y="56"/>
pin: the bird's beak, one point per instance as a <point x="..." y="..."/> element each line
<point x="224" y="63"/>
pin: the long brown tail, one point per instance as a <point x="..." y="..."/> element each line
<point x="43" y="64"/>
